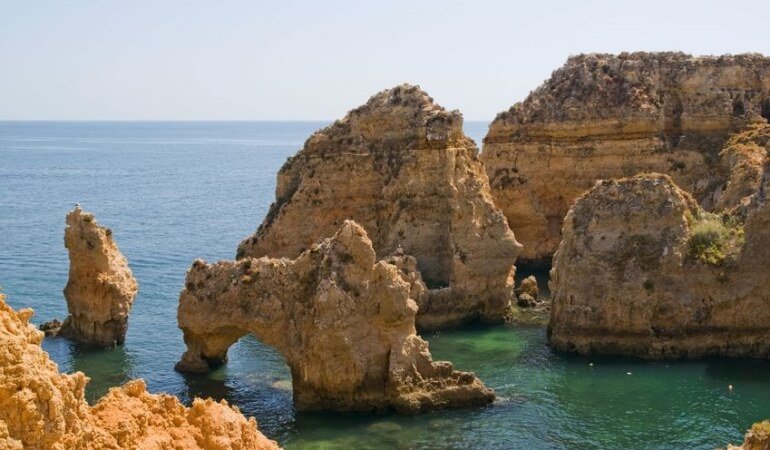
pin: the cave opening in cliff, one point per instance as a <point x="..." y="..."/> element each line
<point x="738" y="108"/>
<point x="765" y="109"/>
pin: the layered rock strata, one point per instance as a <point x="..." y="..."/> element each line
<point x="642" y="270"/>
<point x="344" y="322"/>
<point x="101" y="288"/>
<point x="401" y="167"/>
<point x="41" y="408"/>
<point x="609" y="116"/>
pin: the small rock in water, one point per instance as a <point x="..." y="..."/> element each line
<point x="284" y="385"/>
<point x="51" y="328"/>
<point x="384" y="427"/>
<point x="526" y="301"/>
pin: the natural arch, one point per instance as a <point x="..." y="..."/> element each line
<point x="344" y="323"/>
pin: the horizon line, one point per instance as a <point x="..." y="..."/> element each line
<point x="191" y="120"/>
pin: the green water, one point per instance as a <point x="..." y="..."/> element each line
<point x="173" y="192"/>
<point x="554" y="400"/>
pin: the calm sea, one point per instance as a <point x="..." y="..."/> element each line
<point x="173" y="192"/>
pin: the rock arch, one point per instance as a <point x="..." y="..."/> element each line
<point x="344" y="322"/>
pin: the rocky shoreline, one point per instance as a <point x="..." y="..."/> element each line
<point x="642" y="177"/>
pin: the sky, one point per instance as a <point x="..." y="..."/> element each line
<point x="315" y="60"/>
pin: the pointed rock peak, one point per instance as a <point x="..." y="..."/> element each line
<point x="404" y="112"/>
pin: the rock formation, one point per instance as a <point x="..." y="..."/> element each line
<point x="642" y="270"/>
<point x="757" y="438"/>
<point x="101" y="288"/>
<point x="41" y="408"/>
<point x="401" y="167"/>
<point x="527" y="292"/>
<point x="611" y="116"/>
<point x="344" y="322"/>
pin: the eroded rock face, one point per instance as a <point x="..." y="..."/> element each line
<point x="41" y="408"/>
<point x="401" y="167"/>
<point x="344" y="322"/>
<point x="610" y="116"/>
<point x="642" y="270"/>
<point x="101" y="288"/>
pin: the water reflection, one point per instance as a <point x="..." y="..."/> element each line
<point x="106" y="367"/>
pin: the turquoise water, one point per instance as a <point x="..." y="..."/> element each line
<point x="173" y="192"/>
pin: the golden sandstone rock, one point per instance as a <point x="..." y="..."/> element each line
<point x="642" y="270"/>
<point x="41" y="408"/>
<point x="344" y="322"/>
<point x="401" y="167"/>
<point x="757" y="438"/>
<point x="610" y="116"/>
<point x="101" y="288"/>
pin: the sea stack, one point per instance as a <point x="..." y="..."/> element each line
<point x="101" y="288"/>
<point x="402" y="168"/>
<point x="344" y="322"/>
<point x="610" y="116"/>
<point x="643" y="270"/>
<point x="41" y="408"/>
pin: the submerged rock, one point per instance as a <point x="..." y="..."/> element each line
<point x="610" y="116"/>
<point x="41" y="408"/>
<point x="642" y="270"/>
<point x="344" y="322"/>
<point x="401" y="167"/>
<point x="101" y="288"/>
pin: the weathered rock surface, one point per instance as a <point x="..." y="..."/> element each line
<point x="757" y="438"/>
<point x="101" y="288"/>
<point x="401" y="167"/>
<point x="642" y="270"/>
<point x="344" y="322"/>
<point x="609" y="116"/>
<point x="527" y="292"/>
<point x="41" y="408"/>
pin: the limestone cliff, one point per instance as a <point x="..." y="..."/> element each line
<point x="642" y="270"/>
<point x="401" y="167"/>
<point x="41" y="408"/>
<point x="344" y="322"/>
<point x="609" y="116"/>
<point x="101" y="288"/>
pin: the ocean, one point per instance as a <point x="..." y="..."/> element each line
<point x="175" y="191"/>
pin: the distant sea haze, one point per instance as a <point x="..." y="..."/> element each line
<point x="175" y="191"/>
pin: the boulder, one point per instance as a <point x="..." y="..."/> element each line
<point x="642" y="270"/>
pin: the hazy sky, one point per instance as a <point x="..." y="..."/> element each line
<point x="247" y="59"/>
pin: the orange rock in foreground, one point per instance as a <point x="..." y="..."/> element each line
<point x="41" y="408"/>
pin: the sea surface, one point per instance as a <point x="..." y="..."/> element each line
<point x="173" y="192"/>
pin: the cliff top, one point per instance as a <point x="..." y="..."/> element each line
<point x="600" y="85"/>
